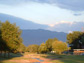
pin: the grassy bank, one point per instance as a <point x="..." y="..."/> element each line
<point x="65" y="58"/>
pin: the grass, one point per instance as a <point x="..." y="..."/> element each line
<point x="66" y="58"/>
<point x="12" y="57"/>
<point x="53" y="58"/>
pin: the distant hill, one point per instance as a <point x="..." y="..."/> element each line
<point x="40" y="35"/>
<point x="23" y="24"/>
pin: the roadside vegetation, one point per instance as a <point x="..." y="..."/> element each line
<point x="65" y="58"/>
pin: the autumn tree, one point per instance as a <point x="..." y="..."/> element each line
<point x="33" y="48"/>
<point x="0" y="39"/>
<point x="22" y="48"/>
<point x="0" y="35"/>
<point x="49" y="43"/>
<point x="3" y="45"/>
<point x="11" y="35"/>
<point x="43" y="48"/>
<point x="59" y="47"/>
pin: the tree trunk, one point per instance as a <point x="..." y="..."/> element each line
<point x="4" y="54"/>
<point x="8" y="54"/>
<point x="1" y="53"/>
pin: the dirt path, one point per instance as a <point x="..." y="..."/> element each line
<point x="43" y="60"/>
<point x="31" y="58"/>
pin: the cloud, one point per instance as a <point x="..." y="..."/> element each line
<point x="67" y="26"/>
<point x="70" y="31"/>
<point x="51" y="25"/>
<point x="61" y="22"/>
<point x="64" y="22"/>
<point x="74" y="5"/>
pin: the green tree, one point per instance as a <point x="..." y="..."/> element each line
<point x="22" y="48"/>
<point x="82" y="40"/>
<point x="74" y="39"/>
<point x="43" y="48"/>
<point x="33" y="48"/>
<point x="49" y="43"/>
<point x="11" y="35"/>
<point x="59" y="47"/>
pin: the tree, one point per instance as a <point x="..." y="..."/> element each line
<point x="43" y="48"/>
<point x="49" y="43"/>
<point x="22" y="48"/>
<point x="0" y="34"/>
<point x="33" y="48"/>
<point x="82" y="40"/>
<point x="3" y="45"/>
<point x="11" y="35"/>
<point x="59" y="47"/>
<point x="0" y="39"/>
<point x="75" y="39"/>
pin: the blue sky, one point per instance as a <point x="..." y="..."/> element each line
<point x="45" y="11"/>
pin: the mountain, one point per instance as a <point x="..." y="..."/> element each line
<point x="40" y="35"/>
<point x="23" y="24"/>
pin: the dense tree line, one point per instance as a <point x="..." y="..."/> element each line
<point x="50" y="45"/>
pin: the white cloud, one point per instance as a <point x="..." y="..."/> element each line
<point x="70" y="31"/>
<point x="64" y="22"/>
<point x="61" y="22"/>
<point x="68" y="27"/>
<point x="51" y="25"/>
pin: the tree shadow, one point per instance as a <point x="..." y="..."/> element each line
<point x="12" y="55"/>
<point x="5" y="51"/>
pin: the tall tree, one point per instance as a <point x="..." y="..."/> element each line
<point x="0" y="39"/>
<point x="11" y="35"/>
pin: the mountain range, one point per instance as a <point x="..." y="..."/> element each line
<point x="33" y="33"/>
<point x="38" y="36"/>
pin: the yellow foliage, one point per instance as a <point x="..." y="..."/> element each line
<point x="59" y="47"/>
